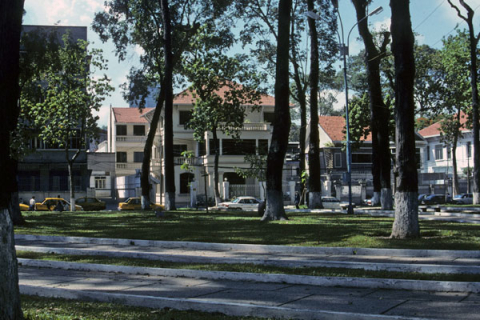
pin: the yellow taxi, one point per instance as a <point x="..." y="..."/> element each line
<point x="50" y="204"/>
<point x="135" y="203"/>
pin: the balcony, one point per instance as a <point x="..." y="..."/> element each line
<point x="129" y="166"/>
<point x="131" y="138"/>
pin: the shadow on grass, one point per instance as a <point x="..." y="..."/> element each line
<point x="303" y="229"/>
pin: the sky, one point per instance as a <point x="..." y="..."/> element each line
<point x="431" y="20"/>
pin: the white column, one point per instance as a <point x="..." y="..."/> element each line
<point x="226" y="190"/>
<point x="193" y="194"/>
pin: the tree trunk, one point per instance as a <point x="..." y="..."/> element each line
<point x="71" y="186"/>
<point x="379" y="113"/>
<point x="281" y="123"/>
<point x="475" y="106"/>
<point x="406" y="196"/>
<point x="14" y="208"/>
<point x="10" y="26"/>
<point x="314" y="179"/>
<point x="168" y="129"/>
<point x="147" y="150"/>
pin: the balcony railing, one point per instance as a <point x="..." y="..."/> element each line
<point x="131" y="138"/>
<point x="129" y="166"/>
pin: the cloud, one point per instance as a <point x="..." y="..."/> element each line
<point x="104" y="115"/>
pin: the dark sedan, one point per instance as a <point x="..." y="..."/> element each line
<point x="434" y="199"/>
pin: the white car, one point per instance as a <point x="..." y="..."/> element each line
<point x="242" y="203"/>
<point x="464" y="198"/>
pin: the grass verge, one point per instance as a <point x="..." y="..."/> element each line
<point x="39" y="308"/>
<point x="251" y="268"/>
<point x="302" y="229"/>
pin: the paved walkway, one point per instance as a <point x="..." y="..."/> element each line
<point x="287" y="296"/>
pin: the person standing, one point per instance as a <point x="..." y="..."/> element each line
<point x="32" y="204"/>
<point x="297" y="200"/>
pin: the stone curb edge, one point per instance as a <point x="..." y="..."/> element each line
<point x="369" y="283"/>
<point x="257" y="248"/>
<point x="231" y="309"/>
<point x="291" y="263"/>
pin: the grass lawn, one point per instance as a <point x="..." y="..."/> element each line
<point x="38" y="308"/>
<point x="303" y="229"/>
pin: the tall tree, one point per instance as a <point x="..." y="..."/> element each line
<point x="168" y="120"/>
<point x="281" y="123"/>
<point x="259" y="18"/>
<point x="65" y="116"/>
<point x="141" y="23"/>
<point x="314" y="182"/>
<point x="473" y="41"/>
<point x="10" y="26"/>
<point x="378" y="110"/>
<point x="406" y="202"/>
<point x="221" y="102"/>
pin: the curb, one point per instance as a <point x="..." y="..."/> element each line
<point x="291" y="263"/>
<point x="231" y="309"/>
<point x="369" y="283"/>
<point x="257" y="248"/>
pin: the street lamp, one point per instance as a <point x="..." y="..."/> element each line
<point x="344" y="53"/>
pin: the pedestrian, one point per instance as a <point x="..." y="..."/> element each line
<point x="297" y="199"/>
<point x="59" y="206"/>
<point x="32" y="204"/>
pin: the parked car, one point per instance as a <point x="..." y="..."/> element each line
<point x="421" y="197"/>
<point x="434" y="199"/>
<point x="464" y="198"/>
<point x="331" y="203"/>
<point x="50" y="204"/>
<point x="368" y="202"/>
<point x="241" y="203"/>
<point x="91" y="204"/>
<point x="135" y="203"/>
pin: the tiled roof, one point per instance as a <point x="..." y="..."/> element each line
<point x="186" y="97"/>
<point x="434" y="129"/>
<point x="129" y="115"/>
<point x="334" y="126"/>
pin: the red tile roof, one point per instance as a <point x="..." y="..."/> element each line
<point x="186" y="97"/>
<point x="434" y="129"/>
<point x="334" y="127"/>
<point x="129" y="115"/>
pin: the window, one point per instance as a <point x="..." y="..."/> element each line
<point x="138" y="130"/>
<point x="469" y="149"/>
<point x="138" y="157"/>
<point x="338" y="160"/>
<point x="100" y="182"/>
<point x="361" y="158"/>
<point x="449" y="152"/>
<point x="185" y="179"/>
<point x="178" y="149"/>
<point x="263" y="147"/>
<point x="438" y="152"/>
<point x="428" y="153"/>
<point x="121" y="157"/>
<point x="185" y="117"/>
<point x="268" y="117"/>
<point x="238" y="147"/>
<point x="202" y="148"/>
<point x="121" y="130"/>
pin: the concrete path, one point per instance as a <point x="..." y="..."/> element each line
<point x="403" y="260"/>
<point x="246" y="298"/>
<point x="263" y="295"/>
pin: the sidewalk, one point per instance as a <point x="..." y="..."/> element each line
<point x="245" y="298"/>
<point x="264" y="295"/>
